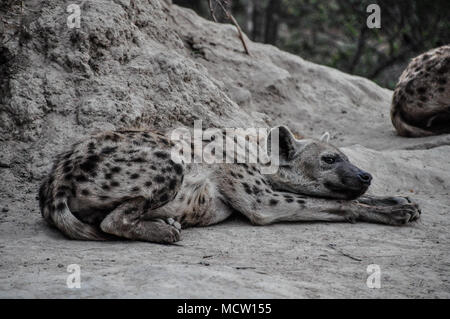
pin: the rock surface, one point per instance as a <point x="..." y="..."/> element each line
<point x="153" y="64"/>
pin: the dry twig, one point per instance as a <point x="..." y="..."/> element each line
<point x="343" y="253"/>
<point x="232" y="19"/>
<point x="211" y="10"/>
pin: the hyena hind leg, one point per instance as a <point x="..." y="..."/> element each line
<point x="126" y="221"/>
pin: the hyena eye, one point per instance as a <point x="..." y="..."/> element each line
<point x="328" y="159"/>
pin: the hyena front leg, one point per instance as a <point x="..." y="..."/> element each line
<point x="383" y="200"/>
<point x="126" y="221"/>
<point x="315" y="209"/>
<point x="265" y="206"/>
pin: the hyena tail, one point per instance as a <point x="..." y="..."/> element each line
<point x="56" y="212"/>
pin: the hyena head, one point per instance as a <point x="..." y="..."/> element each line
<point x="316" y="168"/>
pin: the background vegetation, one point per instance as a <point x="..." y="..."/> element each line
<point x="334" y="32"/>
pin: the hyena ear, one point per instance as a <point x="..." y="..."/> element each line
<point x="283" y="139"/>
<point x="325" y="137"/>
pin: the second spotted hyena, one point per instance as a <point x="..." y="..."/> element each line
<point x="126" y="184"/>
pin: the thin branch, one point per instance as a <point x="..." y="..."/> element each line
<point x="332" y="246"/>
<point x="233" y="20"/>
<point x="211" y="10"/>
<point x="359" y="49"/>
<point x="241" y="36"/>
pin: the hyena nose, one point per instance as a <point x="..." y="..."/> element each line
<point x="364" y="177"/>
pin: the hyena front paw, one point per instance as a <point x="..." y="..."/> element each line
<point x="403" y="213"/>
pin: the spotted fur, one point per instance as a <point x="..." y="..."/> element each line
<point x="421" y="100"/>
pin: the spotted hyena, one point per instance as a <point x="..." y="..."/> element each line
<point x="421" y="101"/>
<point x="126" y="184"/>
